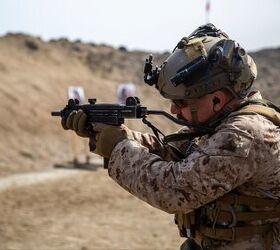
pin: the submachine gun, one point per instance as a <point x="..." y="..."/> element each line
<point x="114" y="114"/>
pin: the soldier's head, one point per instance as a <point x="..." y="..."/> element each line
<point x="204" y="72"/>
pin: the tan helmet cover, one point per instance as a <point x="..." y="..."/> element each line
<point x="216" y="78"/>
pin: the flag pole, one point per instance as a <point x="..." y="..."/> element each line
<point x="207" y="11"/>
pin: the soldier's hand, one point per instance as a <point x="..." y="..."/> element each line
<point x="76" y="121"/>
<point x="107" y="137"/>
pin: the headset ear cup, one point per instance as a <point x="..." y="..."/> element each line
<point x="216" y="55"/>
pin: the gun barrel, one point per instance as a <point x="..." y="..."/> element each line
<point x="56" y="113"/>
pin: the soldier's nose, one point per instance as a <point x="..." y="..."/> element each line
<point x="174" y="109"/>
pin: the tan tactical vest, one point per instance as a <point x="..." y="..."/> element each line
<point x="229" y="210"/>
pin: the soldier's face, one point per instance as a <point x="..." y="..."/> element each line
<point x="204" y="106"/>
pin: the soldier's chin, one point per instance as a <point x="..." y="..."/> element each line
<point x="183" y="119"/>
<point x="179" y="117"/>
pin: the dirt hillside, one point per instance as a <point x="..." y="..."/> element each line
<point x="34" y="78"/>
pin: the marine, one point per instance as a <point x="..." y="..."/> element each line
<point x="220" y="176"/>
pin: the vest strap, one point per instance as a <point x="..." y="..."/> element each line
<point x="235" y="233"/>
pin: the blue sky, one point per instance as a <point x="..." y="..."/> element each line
<point x="142" y="24"/>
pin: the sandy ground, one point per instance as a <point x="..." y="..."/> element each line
<point x="82" y="210"/>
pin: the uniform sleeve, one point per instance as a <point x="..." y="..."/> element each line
<point x="222" y="163"/>
<point x="147" y="140"/>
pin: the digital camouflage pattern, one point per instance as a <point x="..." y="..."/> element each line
<point x="242" y="155"/>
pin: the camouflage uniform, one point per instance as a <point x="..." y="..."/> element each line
<point x="242" y="155"/>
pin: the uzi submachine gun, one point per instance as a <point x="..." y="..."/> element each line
<point x="113" y="114"/>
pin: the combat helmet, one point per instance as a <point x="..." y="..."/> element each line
<point x="205" y="61"/>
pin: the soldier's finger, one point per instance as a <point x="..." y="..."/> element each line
<point x="82" y="122"/>
<point x="92" y="143"/>
<point x="63" y="122"/>
<point x="76" y="120"/>
<point x="98" y="127"/>
<point x="69" y="121"/>
<point x="96" y="137"/>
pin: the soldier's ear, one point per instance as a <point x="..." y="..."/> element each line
<point x="216" y="100"/>
<point x="219" y="100"/>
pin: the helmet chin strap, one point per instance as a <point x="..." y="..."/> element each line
<point x="193" y="109"/>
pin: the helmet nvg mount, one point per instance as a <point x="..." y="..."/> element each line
<point x="205" y="61"/>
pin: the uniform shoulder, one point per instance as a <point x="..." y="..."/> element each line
<point x="251" y="123"/>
